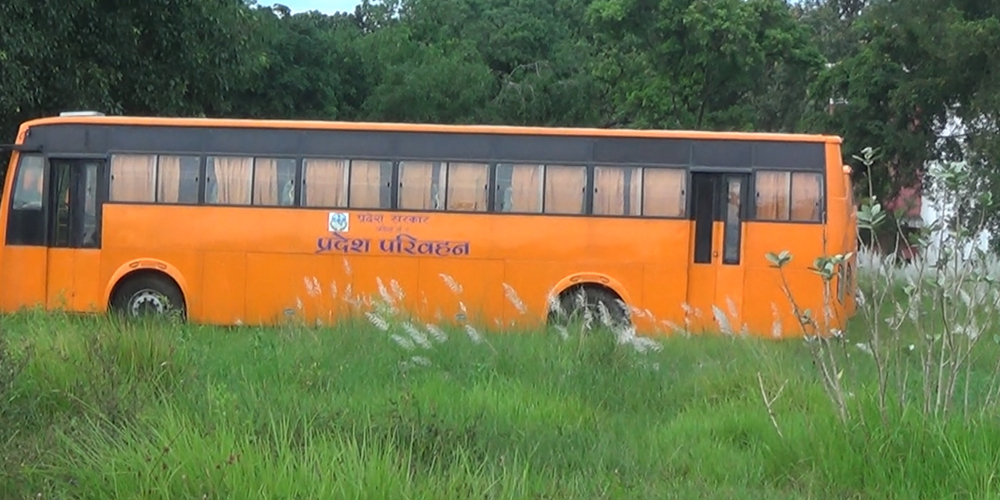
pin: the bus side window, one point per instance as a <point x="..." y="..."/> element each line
<point x="371" y="184"/>
<point x="324" y="182"/>
<point x="228" y="180"/>
<point x="564" y="189"/>
<point x="26" y="221"/>
<point x="133" y="178"/>
<point x="90" y="215"/>
<point x="468" y="186"/>
<point x="789" y="196"/>
<point x="274" y="182"/>
<point x="806" y="196"/>
<point x="773" y="191"/>
<point x="178" y="179"/>
<point x="617" y="190"/>
<point x="29" y="185"/>
<point x="664" y="192"/>
<point x="421" y="185"/>
<point x="519" y="188"/>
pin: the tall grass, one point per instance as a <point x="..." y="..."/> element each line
<point x="99" y="409"/>
<point x="382" y="406"/>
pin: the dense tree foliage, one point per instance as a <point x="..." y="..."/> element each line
<point x="882" y="73"/>
<point x="716" y="64"/>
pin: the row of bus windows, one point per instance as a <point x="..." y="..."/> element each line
<point x="422" y="185"/>
<point x="365" y="184"/>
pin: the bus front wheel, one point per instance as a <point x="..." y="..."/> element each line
<point x="148" y="294"/>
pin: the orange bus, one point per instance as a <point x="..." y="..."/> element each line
<point x="249" y="221"/>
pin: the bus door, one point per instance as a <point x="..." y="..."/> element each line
<point x="22" y="275"/>
<point x="715" y="278"/>
<point x="74" y="232"/>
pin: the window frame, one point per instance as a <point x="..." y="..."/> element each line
<point x="393" y="193"/>
<point x="101" y="196"/>
<point x="300" y="182"/>
<point x="13" y="235"/>
<point x="494" y="207"/>
<point x="490" y="176"/>
<point x="588" y="185"/>
<point x="592" y="189"/>
<point x="686" y="192"/>
<point x="110" y="158"/>
<point x="821" y="202"/>
<point x="200" y="188"/>
<point x="755" y="216"/>
<point x="202" y="161"/>
<point x="19" y="169"/>
<point x="297" y="166"/>
<point x="440" y="166"/>
<point x="214" y="156"/>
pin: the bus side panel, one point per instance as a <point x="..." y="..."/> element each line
<point x="836" y="216"/>
<point x="373" y="277"/>
<point x="666" y="275"/>
<point x="224" y="287"/>
<point x="22" y="278"/>
<point x="60" y="276"/>
<point x="664" y="292"/>
<point x="74" y="280"/>
<point x="763" y="289"/>
<point x="476" y="284"/>
<point x="305" y="287"/>
<point x="88" y="285"/>
<point x="840" y="233"/>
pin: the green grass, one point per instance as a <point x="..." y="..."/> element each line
<point x="90" y="408"/>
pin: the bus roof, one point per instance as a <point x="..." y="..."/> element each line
<point x="423" y="127"/>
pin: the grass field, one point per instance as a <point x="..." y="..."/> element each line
<point x="93" y="408"/>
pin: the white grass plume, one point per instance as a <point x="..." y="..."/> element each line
<point x="397" y="290"/>
<point x="514" y="299"/>
<point x="436" y="332"/>
<point x="378" y="321"/>
<point x="722" y="321"/>
<point x="473" y="333"/>
<point x="777" y="330"/>
<point x="450" y="282"/>
<point x="418" y="337"/>
<point x="384" y="293"/>
<point x="562" y="331"/>
<point x="554" y="304"/>
<point x="312" y="286"/>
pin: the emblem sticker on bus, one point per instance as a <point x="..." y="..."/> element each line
<point x="338" y="222"/>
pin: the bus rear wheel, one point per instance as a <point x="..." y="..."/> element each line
<point x="604" y="306"/>
<point x="148" y="295"/>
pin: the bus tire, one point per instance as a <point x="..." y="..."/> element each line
<point x="148" y="293"/>
<point x="593" y="295"/>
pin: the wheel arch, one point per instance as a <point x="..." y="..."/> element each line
<point x="145" y="267"/>
<point x="590" y="279"/>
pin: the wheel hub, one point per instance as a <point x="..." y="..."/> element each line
<point x="147" y="301"/>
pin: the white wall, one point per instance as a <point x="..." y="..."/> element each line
<point x="938" y="204"/>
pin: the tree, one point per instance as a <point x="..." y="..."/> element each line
<point x="537" y="54"/>
<point x="310" y="67"/>
<point x="725" y="64"/>
<point x="917" y="64"/>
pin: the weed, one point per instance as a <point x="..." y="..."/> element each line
<point x="928" y="323"/>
